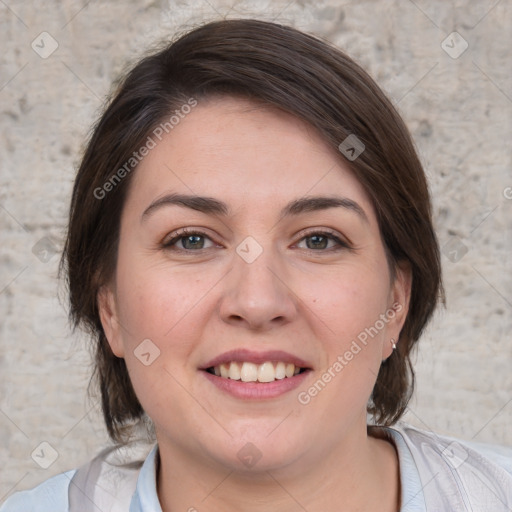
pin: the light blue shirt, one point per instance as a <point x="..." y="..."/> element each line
<point x="418" y="473"/>
<point x="145" y="498"/>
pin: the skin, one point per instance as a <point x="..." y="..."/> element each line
<point x="306" y="299"/>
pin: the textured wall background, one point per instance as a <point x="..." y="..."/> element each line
<point x="456" y="101"/>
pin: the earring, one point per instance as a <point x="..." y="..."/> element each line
<point x="393" y="343"/>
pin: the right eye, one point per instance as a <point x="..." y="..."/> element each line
<point x="189" y="239"/>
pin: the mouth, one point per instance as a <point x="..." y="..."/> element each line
<point x="247" y="374"/>
<point x="246" y="371"/>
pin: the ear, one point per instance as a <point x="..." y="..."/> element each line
<point x="109" y="319"/>
<point x="400" y="296"/>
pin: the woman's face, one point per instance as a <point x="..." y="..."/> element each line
<point x="266" y="277"/>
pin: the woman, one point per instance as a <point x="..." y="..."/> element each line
<point x="251" y="246"/>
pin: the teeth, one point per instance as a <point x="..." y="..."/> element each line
<point x="280" y="370"/>
<point x="224" y="370"/>
<point x="266" y="372"/>
<point x="250" y="372"/>
<point x="234" y="371"/>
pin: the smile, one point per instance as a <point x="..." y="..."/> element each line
<point x="268" y="371"/>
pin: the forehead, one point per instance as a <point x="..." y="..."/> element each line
<point x="245" y="153"/>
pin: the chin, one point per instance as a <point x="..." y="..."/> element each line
<point x="258" y="449"/>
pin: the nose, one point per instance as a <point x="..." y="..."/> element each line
<point x="258" y="295"/>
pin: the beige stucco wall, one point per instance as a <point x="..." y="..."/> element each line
<point x="458" y="108"/>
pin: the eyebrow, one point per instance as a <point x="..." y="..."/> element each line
<point x="210" y="205"/>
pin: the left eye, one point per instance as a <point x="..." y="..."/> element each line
<point x="320" y="240"/>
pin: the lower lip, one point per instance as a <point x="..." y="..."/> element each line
<point x="256" y="390"/>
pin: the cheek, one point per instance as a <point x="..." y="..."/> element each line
<point x="154" y="300"/>
<point x="159" y="304"/>
<point x="347" y="308"/>
<point x="348" y="301"/>
<point x="344" y="382"/>
<point x="159" y="307"/>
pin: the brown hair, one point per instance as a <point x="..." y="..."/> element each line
<point x="302" y="75"/>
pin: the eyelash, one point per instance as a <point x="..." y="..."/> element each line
<point x="169" y="244"/>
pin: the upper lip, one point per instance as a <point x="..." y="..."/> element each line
<point x="244" y="355"/>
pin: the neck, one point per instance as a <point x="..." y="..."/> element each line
<point x="360" y="473"/>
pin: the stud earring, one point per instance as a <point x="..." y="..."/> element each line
<point x="393" y="343"/>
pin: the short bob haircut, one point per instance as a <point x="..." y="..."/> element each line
<point x="298" y="73"/>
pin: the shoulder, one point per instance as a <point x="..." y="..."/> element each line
<point x="467" y="474"/>
<point x="49" y="496"/>
<point x="455" y="451"/>
<point x="498" y="454"/>
<point x="106" y="483"/>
